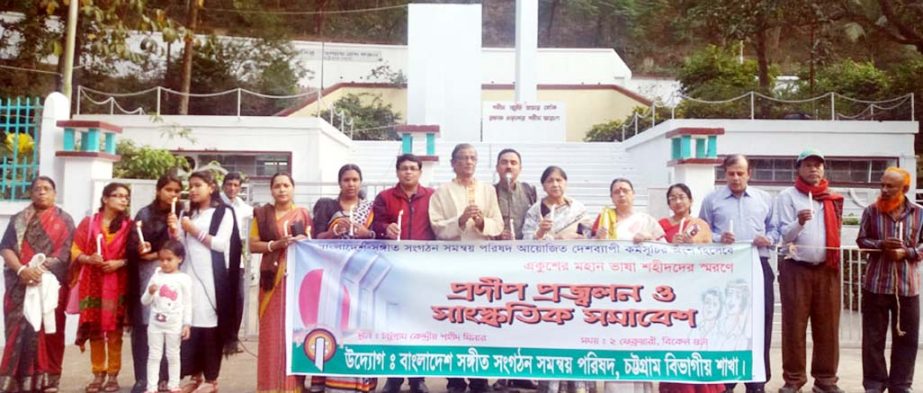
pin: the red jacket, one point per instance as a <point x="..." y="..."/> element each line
<point x="415" y="224"/>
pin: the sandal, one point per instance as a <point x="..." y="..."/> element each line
<point x="207" y="387"/>
<point x="51" y="384"/>
<point x="193" y="384"/>
<point x="112" y="384"/>
<point x="97" y="383"/>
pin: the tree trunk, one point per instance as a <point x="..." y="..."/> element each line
<point x="762" y="65"/>
<point x="319" y="16"/>
<point x="551" y="14"/>
<point x="188" y="50"/>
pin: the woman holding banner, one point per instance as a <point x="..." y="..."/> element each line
<point x="99" y="249"/>
<point x="555" y="216"/>
<point x="32" y="359"/>
<point x="681" y="228"/>
<point x="350" y="215"/>
<point x="276" y="226"/>
<point x="623" y="223"/>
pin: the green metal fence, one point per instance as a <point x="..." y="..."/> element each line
<point x="20" y="119"/>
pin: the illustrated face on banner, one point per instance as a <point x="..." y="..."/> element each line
<point x="711" y="305"/>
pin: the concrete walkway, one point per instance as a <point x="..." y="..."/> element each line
<point x="239" y="373"/>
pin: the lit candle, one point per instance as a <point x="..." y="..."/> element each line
<point x="400" y="218"/>
<point x="140" y="234"/>
<point x="308" y="233"/>
<point x="99" y="244"/>
<point x="352" y="232"/>
<point x="512" y="228"/>
<point x="285" y="228"/>
<point x="811" y="202"/>
<point x="173" y="206"/>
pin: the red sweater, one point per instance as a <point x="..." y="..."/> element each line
<point x="415" y="224"/>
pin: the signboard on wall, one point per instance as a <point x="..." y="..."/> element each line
<point x="508" y="121"/>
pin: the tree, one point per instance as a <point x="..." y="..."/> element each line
<point x="746" y="20"/>
<point x="715" y="74"/>
<point x="145" y="162"/>
<point x="896" y="20"/>
<point x="102" y="32"/>
<point x="372" y="119"/>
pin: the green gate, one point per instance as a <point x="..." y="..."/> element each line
<point x="20" y="120"/>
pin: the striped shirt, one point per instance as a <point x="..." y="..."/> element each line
<point x="880" y="272"/>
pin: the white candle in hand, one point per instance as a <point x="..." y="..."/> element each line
<point x="308" y="232"/>
<point x="140" y="233"/>
<point x="285" y="228"/>
<point x="352" y="231"/>
<point x="400" y="218"/>
<point x="900" y="231"/>
<point x="512" y="229"/>
<point x="604" y="222"/>
<point x="99" y="244"/>
<point x="173" y="206"/>
<point x="811" y="202"/>
<point x="730" y="227"/>
<point x="682" y="225"/>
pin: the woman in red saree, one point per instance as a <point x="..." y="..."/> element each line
<point x="682" y="227"/>
<point x="276" y="226"/>
<point x="99" y="248"/>
<point x="32" y="359"/>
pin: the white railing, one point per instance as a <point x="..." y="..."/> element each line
<point x="115" y="108"/>
<point x="639" y="122"/>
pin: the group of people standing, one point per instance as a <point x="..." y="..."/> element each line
<point x="172" y="274"/>
<point x="120" y="267"/>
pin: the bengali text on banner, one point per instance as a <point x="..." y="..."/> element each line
<point x="588" y="310"/>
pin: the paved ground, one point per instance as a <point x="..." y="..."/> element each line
<point x="239" y="373"/>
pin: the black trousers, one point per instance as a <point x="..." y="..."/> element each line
<point x="769" y="299"/>
<point x="880" y="313"/>
<point x="401" y="380"/>
<point x="202" y="353"/>
<point x="139" y="358"/>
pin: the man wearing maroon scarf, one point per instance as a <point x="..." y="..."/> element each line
<point x="809" y="217"/>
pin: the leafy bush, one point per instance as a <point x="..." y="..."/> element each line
<point x="145" y="162"/>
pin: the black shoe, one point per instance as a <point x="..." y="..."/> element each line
<point x="792" y="389"/>
<point x="523" y="384"/>
<point x="455" y="389"/>
<point x="139" y="387"/>
<point x="393" y="385"/>
<point x="418" y="387"/>
<point x="827" y="389"/>
<point x="500" y="385"/>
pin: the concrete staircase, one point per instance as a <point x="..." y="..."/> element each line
<point x="590" y="167"/>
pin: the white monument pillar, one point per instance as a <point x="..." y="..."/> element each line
<point x="444" y="69"/>
<point x="526" y="48"/>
